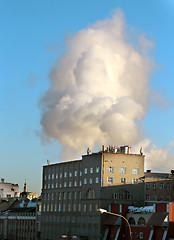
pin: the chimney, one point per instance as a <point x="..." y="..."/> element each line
<point x="148" y="171"/>
<point x="172" y="172"/>
<point x="2" y="180"/>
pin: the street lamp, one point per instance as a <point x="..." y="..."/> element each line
<point x="115" y="214"/>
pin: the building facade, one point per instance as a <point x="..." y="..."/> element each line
<point x="159" y="186"/>
<point x="8" y="190"/>
<point x="72" y="191"/>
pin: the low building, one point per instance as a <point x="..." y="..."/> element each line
<point x="20" y="219"/>
<point x="149" y="222"/>
<point x="159" y="186"/>
<point x="8" y="190"/>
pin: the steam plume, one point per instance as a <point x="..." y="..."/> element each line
<point x="99" y="87"/>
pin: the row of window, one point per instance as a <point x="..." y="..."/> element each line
<point x="61" y="195"/>
<point x="69" y="207"/>
<point x="123" y="170"/>
<point x="70" y="174"/>
<point x="72" y="184"/>
<point x="154" y="185"/>
<point x="122" y="180"/>
<point x="48" y="197"/>
<point x="158" y="198"/>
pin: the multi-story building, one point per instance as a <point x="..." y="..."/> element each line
<point x="159" y="186"/>
<point x="73" y="191"/>
<point x="8" y="190"/>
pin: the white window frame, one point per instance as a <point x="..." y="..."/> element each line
<point x="123" y="180"/>
<point x="110" y="180"/>
<point x="135" y="171"/>
<point x="110" y="169"/>
<point x="123" y="170"/>
<point x="135" y="181"/>
<point x="91" y="170"/>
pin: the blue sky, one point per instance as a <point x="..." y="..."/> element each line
<point x="32" y="38"/>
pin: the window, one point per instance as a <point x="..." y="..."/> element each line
<point x="53" y="176"/>
<point x="141" y="234"/>
<point x="90" y="194"/>
<point x="168" y="198"/>
<point x="69" y="207"/>
<point x="74" y="207"/>
<point x="75" y="173"/>
<point x="141" y="221"/>
<point x="64" y="184"/>
<point x="154" y="185"/>
<point x="80" y="195"/>
<point x="64" y="196"/>
<point x="80" y="183"/>
<point x="74" y="195"/>
<point x="123" y="180"/>
<point x="123" y="170"/>
<point x="90" y="180"/>
<point x="161" y="185"/>
<point x="69" y="195"/>
<point x="56" y="175"/>
<point x="91" y="170"/>
<point x="135" y="171"/>
<point x="70" y="174"/>
<point x="85" y="170"/>
<point x="110" y="169"/>
<point x="122" y="195"/>
<point x="161" y="198"/>
<point x="96" y="180"/>
<point x="75" y="183"/>
<point x="70" y="184"/>
<point x="60" y="175"/>
<point x="65" y="174"/>
<point x="79" y="207"/>
<point x="110" y="180"/>
<point x="131" y="221"/>
<point x="135" y="181"/>
<point x="97" y="169"/>
<point x="85" y="181"/>
<point x="84" y="207"/>
<point x="80" y="173"/>
<point x="60" y="196"/>
<point x="168" y="186"/>
<point x="148" y="197"/>
<point x="52" y="185"/>
<point x="148" y="185"/>
<point x="49" y="176"/>
<point x="154" y="197"/>
<point x="90" y="207"/>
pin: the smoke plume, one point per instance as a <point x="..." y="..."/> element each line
<point x="99" y="87"/>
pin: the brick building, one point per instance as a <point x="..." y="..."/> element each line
<point x="151" y="222"/>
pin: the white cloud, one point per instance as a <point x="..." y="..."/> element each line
<point x="99" y="88"/>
